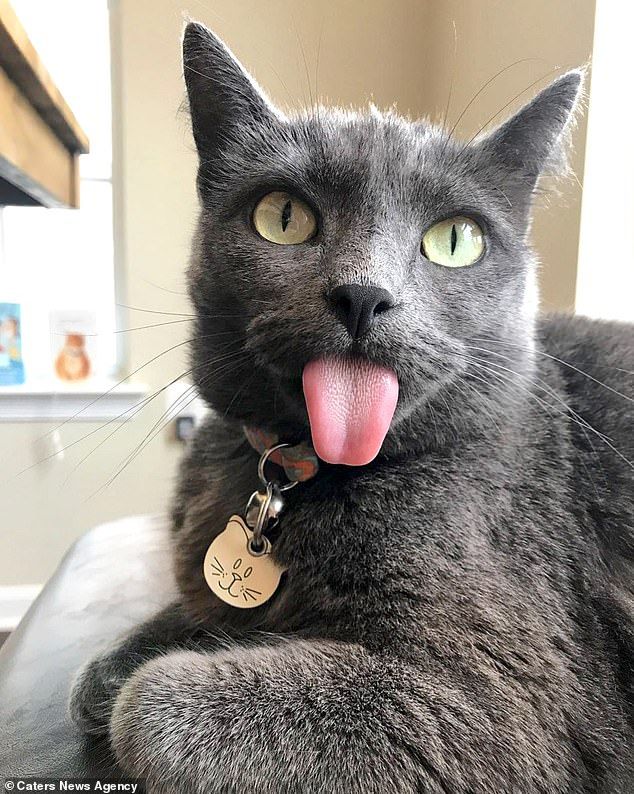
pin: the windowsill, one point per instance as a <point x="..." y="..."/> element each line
<point x="92" y="401"/>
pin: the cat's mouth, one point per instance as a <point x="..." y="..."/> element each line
<point x="350" y="403"/>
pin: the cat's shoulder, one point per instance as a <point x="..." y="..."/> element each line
<point x="603" y="349"/>
<point x="595" y="359"/>
<point x="598" y="343"/>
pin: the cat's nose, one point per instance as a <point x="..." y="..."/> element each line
<point x="357" y="305"/>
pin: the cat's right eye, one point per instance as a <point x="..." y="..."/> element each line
<point x="284" y="219"/>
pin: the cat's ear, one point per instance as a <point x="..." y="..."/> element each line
<point x="222" y="95"/>
<point x="534" y="140"/>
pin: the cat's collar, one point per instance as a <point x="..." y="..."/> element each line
<point x="239" y="566"/>
<point x="300" y="463"/>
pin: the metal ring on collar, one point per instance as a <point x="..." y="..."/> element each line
<point x="262" y="462"/>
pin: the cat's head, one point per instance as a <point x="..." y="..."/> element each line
<point x="364" y="253"/>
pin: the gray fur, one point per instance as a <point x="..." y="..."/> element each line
<point x="457" y="615"/>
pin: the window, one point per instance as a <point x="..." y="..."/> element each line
<point x="605" y="276"/>
<point x="57" y="259"/>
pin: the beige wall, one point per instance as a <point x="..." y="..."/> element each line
<point x="529" y="41"/>
<point x="346" y="52"/>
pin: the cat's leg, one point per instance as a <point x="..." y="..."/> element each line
<point x="314" y="716"/>
<point x="296" y="716"/>
<point x="99" y="680"/>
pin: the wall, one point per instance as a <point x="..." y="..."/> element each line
<point x="519" y="47"/>
<point x="346" y="52"/>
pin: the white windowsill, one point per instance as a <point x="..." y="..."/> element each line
<point x="88" y="402"/>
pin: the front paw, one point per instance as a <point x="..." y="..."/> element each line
<point x="94" y="691"/>
<point x="158" y="728"/>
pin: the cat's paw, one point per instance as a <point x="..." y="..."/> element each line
<point x="94" y="692"/>
<point x="159" y="728"/>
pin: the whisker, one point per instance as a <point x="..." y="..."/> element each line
<point x="568" y="411"/>
<point x="126" y="330"/>
<point x="305" y="61"/>
<point x="234" y="357"/>
<point x="187" y="315"/>
<point x="245" y="387"/>
<point x="142" y="403"/>
<point x="485" y="86"/>
<point x="545" y="387"/>
<point x="565" y="414"/>
<point x="166" y="417"/>
<point x="164" y="289"/>
<point x="155" y="311"/>
<point x="510" y="102"/>
<point x="151" y="325"/>
<point x="559" y="361"/>
<point x="568" y="408"/>
<point x="453" y="72"/>
<point x="112" y="388"/>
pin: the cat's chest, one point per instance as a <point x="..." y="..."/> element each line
<point x="418" y="544"/>
<point x="372" y="526"/>
<point x="396" y="530"/>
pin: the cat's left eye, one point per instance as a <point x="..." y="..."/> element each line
<point x="454" y="242"/>
<point x="284" y="219"/>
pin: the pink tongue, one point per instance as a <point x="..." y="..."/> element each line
<point x="350" y="406"/>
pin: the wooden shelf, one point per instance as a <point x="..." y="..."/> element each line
<point x="40" y="138"/>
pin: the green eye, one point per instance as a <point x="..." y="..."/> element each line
<point x="284" y="219"/>
<point x="456" y="242"/>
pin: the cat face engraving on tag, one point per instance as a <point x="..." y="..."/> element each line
<point x="236" y="575"/>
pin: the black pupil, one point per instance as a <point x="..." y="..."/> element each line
<point x="454" y="239"/>
<point x="287" y="211"/>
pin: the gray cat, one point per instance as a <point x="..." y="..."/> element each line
<point x="457" y="611"/>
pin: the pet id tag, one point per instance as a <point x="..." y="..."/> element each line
<point x="238" y="565"/>
<point x="238" y="575"/>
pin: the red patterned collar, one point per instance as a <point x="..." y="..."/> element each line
<point x="299" y="462"/>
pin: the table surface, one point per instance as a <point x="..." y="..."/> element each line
<point x="114" y="577"/>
